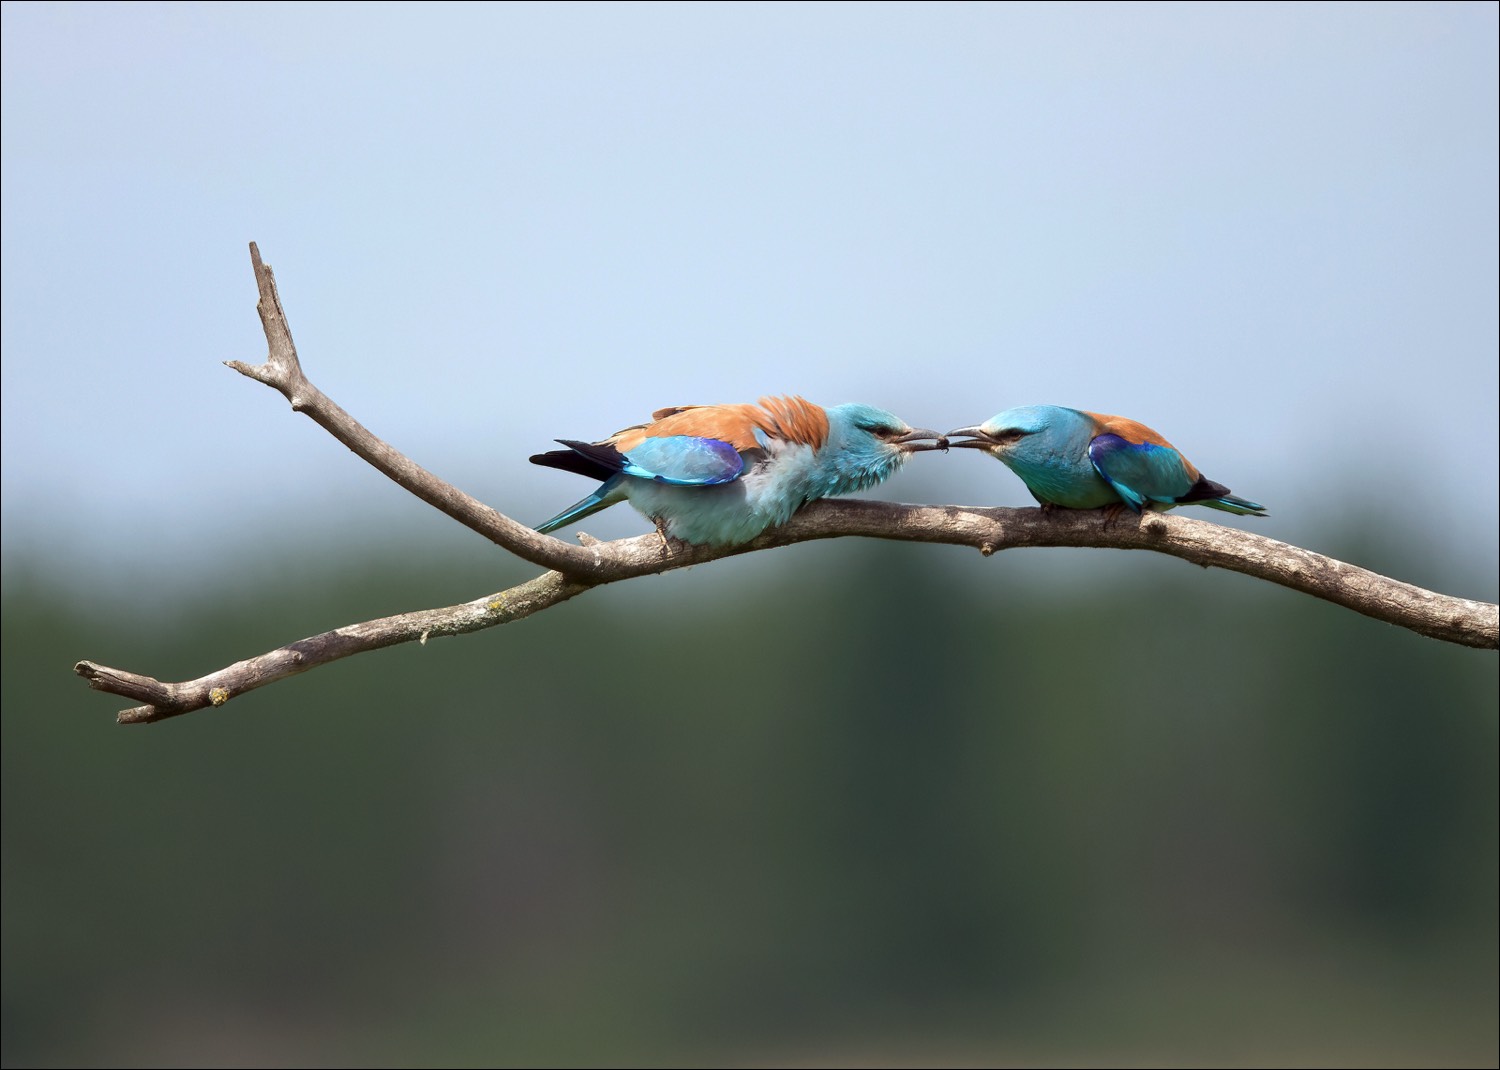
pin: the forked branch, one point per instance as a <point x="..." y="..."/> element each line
<point x="575" y="569"/>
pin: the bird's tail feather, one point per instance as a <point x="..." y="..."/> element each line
<point x="1217" y="496"/>
<point x="1231" y="504"/>
<point x="607" y="494"/>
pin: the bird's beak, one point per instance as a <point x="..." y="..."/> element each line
<point x="976" y="438"/>
<point x="912" y="441"/>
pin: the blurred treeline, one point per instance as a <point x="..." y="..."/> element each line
<point x="840" y="804"/>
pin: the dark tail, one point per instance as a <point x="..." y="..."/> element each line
<point x="1217" y="496"/>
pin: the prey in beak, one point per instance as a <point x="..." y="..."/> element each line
<point x="913" y="441"/>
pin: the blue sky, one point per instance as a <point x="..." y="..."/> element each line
<point x="1270" y="231"/>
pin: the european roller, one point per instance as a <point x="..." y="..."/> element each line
<point x="722" y="474"/>
<point x="1085" y="460"/>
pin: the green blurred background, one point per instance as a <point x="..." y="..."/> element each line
<point x="836" y="804"/>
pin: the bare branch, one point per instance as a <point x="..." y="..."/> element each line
<point x="1454" y="620"/>
<point x="283" y="371"/>
<point x="576" y="569"/>
<point x="1438" y="616"/>
<point x="168" y="700"/>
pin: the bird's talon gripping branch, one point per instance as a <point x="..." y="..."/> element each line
<point x="1113" y="514"/>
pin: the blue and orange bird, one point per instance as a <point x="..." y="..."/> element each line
<point x="1085" y="460"/>
<point x="721" y="474"/>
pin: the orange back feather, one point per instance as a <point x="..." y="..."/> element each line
<point x="792" y="419"/>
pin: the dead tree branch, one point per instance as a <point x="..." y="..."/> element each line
<point x="575" y="569"/>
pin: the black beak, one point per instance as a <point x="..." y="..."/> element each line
<point x="975" y="436"/>
<point x="912" y="441"/>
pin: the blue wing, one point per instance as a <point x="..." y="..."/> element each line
<point x="1140" y="473"/>
<point x="681" y="460"/>
<point x="684" y="461"/>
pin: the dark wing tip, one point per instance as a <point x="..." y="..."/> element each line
<point x="1205" y="490"/>
<point x="582" y="458"/>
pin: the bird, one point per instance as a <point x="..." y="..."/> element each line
<point x="719" y="475"/>
<point x="1086" y="460"/>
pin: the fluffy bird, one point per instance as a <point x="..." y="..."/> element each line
<point x="722" y="474"/>
<point x="1084" y="460"/>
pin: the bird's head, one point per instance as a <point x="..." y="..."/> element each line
<point x="866" y="445"/>
<point x="1009" y="432"/>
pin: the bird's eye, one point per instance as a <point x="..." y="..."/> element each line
<point x="1009" y="435"/>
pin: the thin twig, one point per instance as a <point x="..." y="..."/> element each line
<point x="170" y="700"/>
<point x="283" y="371"/>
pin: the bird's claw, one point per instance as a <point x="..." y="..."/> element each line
<point x="671" y="546"/>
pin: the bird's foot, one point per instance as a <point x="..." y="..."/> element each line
<point x="1113" y="513"/>
<point x="671" y="546"/>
